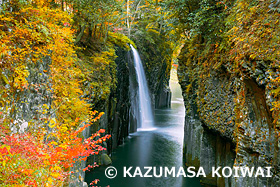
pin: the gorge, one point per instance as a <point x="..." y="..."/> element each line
<point x="187" y="84"/>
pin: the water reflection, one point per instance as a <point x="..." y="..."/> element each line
<point x="159" y="147"/>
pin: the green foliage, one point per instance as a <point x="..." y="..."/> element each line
<point x="42" y="152"/>
<point x="98" y="75"/>
<point x="93" y="19"/>
<point x="233" y="39"/>
<point x="120" y="40"/>
<point x="152" y="33"/>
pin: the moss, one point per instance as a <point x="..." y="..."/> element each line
<point x="105" y="159"/>
<point x="120" y="40"/>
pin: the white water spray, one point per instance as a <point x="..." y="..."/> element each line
<point x="146" y="113"/>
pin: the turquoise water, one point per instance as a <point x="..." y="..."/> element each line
<point x="161" y="147"/>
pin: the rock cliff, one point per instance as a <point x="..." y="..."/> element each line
<point x="223" y="128"/>
<point x="156" y="53"/>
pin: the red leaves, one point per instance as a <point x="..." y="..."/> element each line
<point x="31" y="183"/>
<point x="53" y="157"/>
<point x="94" y="182"/>
<point x="66" y="24"/>
<point x="43" y="157"/>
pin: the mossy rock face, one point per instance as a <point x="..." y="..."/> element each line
<point x="215" y="137"/>
<point x="105" y="159"/>
<point x="155" y="52"/>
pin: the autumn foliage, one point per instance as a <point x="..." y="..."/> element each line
<point x="32" y="33"/>
<point x="238" y="38"/>
<point x="25" y="161"/>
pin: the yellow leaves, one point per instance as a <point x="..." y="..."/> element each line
<point x="254" y="33"/>
<point x="276" y="91"/>
<point x="4" y="163"/>
<point x="21" y="73"/>
<point x="50" y="181"/>
<point x="172" y="31"/>
<point x="253" y="56"/>
<point x="242" y="4"/>
<point x="55" y="174"/>
<point x="253" y="9"/>
<point x="188" y="88"/>
<point x="92" y="113"/>
<point x="158" y="8"/>
<point x="150" y="25"/>
<point x="155" y="31"/>
<point x="63" y="128"/>
<point x="6" y="18"/>
<point x="54" y="143"/>
<point x="143" y="6"/>
<point x="36" y="31"/>
<point x="52" y="123"/>
<point x="115" y="13"/>
<point x="56" y="167"/>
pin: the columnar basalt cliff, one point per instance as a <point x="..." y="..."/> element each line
<point x="118" y="105"/>
<point x="229" y="72"/>
<point x="156" y="54"/>
<point x="216" y="133"/>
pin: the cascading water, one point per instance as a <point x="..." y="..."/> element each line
<point x="145" y="108"/>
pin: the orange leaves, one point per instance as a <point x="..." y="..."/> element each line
<point x="108" y="23"/>
<point x="254" y="33"/>
<point x="23" y="155"/>
<point x="27" y="38"/>
<point x="43" y="158"/>
<point x="253" y="36"/>
<point x="31" y="158"/>
<point x="98" y="117"/>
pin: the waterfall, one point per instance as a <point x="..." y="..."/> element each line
<point x="146" y="118"/>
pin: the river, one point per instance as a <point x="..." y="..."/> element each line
<point x="161" y="147"/>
